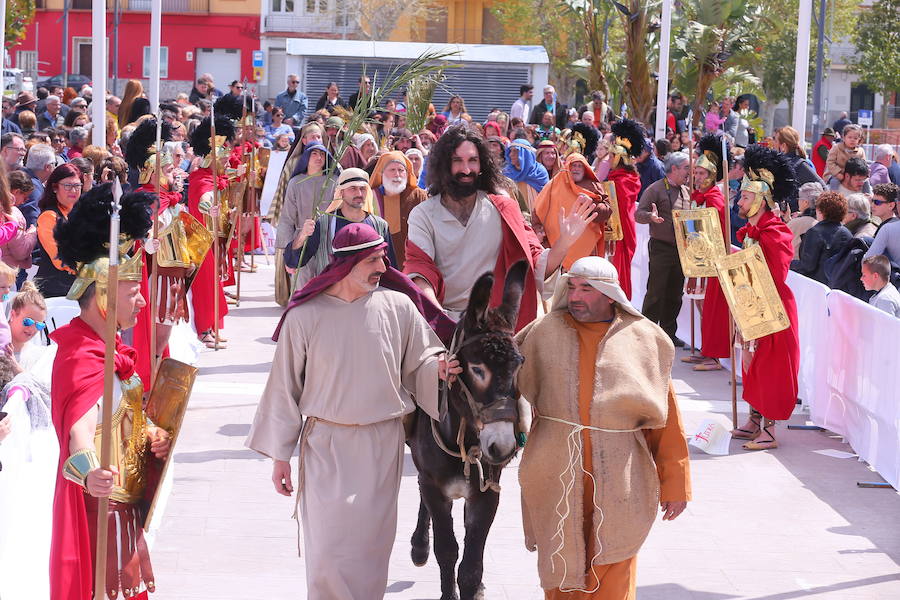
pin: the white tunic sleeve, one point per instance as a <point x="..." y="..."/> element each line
<point x="276" y="427"/>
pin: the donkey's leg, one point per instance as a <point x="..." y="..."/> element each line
<point x="420" y="540"/>
<point x="481" y="508"/>
<point x="446" y="550"/>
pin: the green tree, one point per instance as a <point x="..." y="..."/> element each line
<point x="596" y="20"/>
<point x="877" y="38"/>
<point x="19" y="15"/>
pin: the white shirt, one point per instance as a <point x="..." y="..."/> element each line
<point x="888" y="300"/>
<point x="520" y="109"/>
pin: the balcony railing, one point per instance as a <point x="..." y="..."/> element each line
<point x="168" y="6"/>
<point x="324" y="23"/>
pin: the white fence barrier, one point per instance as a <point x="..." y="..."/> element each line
<point x="849" y="376"/>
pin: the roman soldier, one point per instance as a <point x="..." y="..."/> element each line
<point x="770" y="363"/>
<point x="628" y="143"/>
<point x="202" y="206"/>
<point x="714" y="326"/>
<point x="78" y="385"/>
<point x="182" y="244"/>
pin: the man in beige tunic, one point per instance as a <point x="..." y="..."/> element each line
<point x="607" y="446"/>
<point x="348" y="421"/>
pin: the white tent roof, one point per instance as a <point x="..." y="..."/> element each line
<point x="468" y="53"/>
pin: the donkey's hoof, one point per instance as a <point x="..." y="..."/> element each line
<point x="451" y="596"/>
<point x="419" y="555"/>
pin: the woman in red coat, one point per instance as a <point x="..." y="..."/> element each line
<point x="771" y="363"/>
<point x="208" y="281"/>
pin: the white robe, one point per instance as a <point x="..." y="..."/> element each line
<point x="349" y="369"/>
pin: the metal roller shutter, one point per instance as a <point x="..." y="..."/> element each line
<point x="482" y="86"/>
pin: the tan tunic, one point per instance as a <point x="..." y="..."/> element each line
<point x="350" y="370"/>
<point x="630" y="398"/>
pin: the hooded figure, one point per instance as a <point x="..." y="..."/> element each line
<point x="627" y="453"/>
<point x="529" y="175"/>
<point x="561" y="194"/>
<point x="395" y="199"/>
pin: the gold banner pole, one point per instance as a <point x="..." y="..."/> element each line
<point x="215" y="177"/>
<point x="731" y="324"/>
<point x="154" y="274"/>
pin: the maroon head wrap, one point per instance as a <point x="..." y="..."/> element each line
<point x="352" y="244"/>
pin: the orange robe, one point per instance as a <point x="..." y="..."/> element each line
<point x="618" y="581"/>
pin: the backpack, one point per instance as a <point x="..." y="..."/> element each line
<point x="844" y="268"/>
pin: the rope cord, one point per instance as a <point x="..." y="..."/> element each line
<point x="575" y="463"/>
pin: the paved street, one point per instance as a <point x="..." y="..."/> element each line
<point x="777" y="525"/>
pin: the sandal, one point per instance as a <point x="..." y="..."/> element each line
<point x="748" y="434"/>
<point x="693" y="359"/>
<point x="708" y="366"/>
<point x="769" y="444"/>
<point x="208" y="339"/>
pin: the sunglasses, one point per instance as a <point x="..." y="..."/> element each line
<point x="880" y="202"/>
<point x="28" y="322"/>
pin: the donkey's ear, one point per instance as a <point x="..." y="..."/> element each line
<point x="479" y="300"/>
<point x="513" y="289"/>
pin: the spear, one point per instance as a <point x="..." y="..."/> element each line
<point x="239" y="235"/>
<point x="215" y="190"/>
<point x="691" y="184"/>
<point x="731" y="330"/>
<point x="154" y="273"/>
<point x="112" y="289"/>
<point x="252" y="184"/>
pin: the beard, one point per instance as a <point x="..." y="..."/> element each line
<point x="460" y="186"/>
<point x="394" y="187"/>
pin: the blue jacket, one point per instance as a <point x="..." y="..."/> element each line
<point x="294" y="107"/>
<point x="29" y="208"/>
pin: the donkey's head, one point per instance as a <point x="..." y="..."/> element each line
<point x="490" y="361"/>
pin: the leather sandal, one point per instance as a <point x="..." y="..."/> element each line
<point x="208" y="339"/>
<point x="769" y="444"/>
<point x="693" y="359"/>
<point x="747" y="434"/>
<point x="708" y="366"/>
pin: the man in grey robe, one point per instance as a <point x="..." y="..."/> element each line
<point x="349" y="423"/>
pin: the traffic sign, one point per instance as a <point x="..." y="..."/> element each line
<point x="864" y="118"/>
<point x="257" y="73"/>
<point x="258" y="58"/>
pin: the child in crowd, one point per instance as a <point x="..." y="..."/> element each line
<point x="849" y="147"/>
<point x="876" y="276"/>
<point x="7" y="281"/>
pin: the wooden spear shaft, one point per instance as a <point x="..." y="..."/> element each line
<point x="154" y="273"/>
<point x="252" y="206"/>
<point x="731" y="325"/>
<point x="238" y="221"/>
<point x="215" y="220"/>
<point x="108" y="390"/>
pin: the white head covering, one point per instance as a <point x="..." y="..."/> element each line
<point x="360" y="139"/>
<point x="602" y="276"/>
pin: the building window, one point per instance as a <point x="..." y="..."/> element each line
<point x="163" y="62"/>
<point x="314" y="7"/>
<point x="282" y="6"/>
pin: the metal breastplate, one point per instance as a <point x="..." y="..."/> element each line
<point x="129" y="442"/>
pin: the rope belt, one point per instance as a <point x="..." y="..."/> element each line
<point x="563" y="509"/>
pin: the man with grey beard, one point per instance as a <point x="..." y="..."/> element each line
<point x="396" y="191"/>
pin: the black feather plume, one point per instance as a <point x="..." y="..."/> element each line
<point x="200" y="137"/>
<point x="712" y="142"/>
<point x="229" y="106"/>
<point x="591" y="137"/>
<point x="84" y="235"/>
<point x="758" y="157"/>
<point x="631" y="131"/>
<point x="142" y="138"/>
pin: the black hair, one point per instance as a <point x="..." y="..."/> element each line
<point x="525" y="88"/>
<point x="441" y="157"/>
<point x="856" y="166"/>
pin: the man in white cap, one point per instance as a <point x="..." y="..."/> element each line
<point x="598" y="375"/>
<point x="312" y="246"/>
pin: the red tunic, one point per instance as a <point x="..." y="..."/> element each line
<point x="519" y="243"/>
<point x="207" y="280"/>
<point x="714" y="321"/>
<point x="770" y="380"/>
<point x="76" y="385"/>
<point x="628" y="185"/>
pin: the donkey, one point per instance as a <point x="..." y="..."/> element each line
<point x="462" y="454"/>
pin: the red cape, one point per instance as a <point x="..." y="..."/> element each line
<point x="770" y="381"/>
<point x="628" y="186"/>
<point x="714" y="320"/>
<point x="202" y="299"/>
<point x="76" y="385"/>
<point x="519" y="243"/>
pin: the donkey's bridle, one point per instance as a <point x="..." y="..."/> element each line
<point x="482" y="413"/>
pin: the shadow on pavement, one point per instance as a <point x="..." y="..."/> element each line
<point x="263" y="367"/>
<point x="235" y="430"/>
<point x="214" y="455"/>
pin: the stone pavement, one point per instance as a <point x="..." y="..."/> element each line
<point x="776" y="525"/>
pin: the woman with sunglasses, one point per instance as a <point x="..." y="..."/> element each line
<point x="27" y="318"/>
<point x="61" y="192"/>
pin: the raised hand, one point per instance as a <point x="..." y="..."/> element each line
<point x="572" y="225"/>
